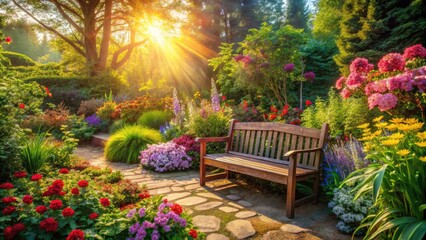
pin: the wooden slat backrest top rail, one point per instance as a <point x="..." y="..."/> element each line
<point x="280" y="127"/>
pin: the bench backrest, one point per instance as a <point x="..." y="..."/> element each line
<point x="269" y="141"/>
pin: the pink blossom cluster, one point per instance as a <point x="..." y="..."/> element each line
<point x="361" y="65"/>
<point x="414" y="51"/>
<point x="391" y="62"/>
<point x="384" y="102"/>
<point x="246" y="59"/>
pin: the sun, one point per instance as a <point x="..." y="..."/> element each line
<point x="156" y="32"/>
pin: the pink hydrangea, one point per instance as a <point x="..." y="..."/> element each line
<point x="354" y="80"/>
<point x="387" y="102"/>
<point x="339" y="82"/>
<point x="345" y="93"/>
<point x="392" y="83"/>
<point x="361" y="65"/>
<point x="405" y="81"/>
<point x="414" y="51"/>
<point x="391" y="62"/>
<point x="373" y="100"/>
<point x="375" y="87"/>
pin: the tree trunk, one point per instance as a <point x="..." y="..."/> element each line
<point x="106" y="37"/>
<point x="89" y="13"/>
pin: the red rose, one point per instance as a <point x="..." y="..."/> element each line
<point x="36" y="177"/>
<point x="49" y="225"/>
<point x="284" y="112"/>
<point x="75" y="191"/>
<point x="193" y="233"/>
<point x="68" y="212"/>
<point x="223" y="98"/>
<point x="76" y="234"/>
<point x="8" y="210"/>
<point x="6" y="185"/>
<point x="308" y="103"/>
<point x="83" y="183"/>
<point x="8" y="39"/>
<point x="41" y="209"/>
<point x="64" y="171"/>
<point x="274" y="109"/>
<point x="55" y="204"/>
<point x="58" y="185"/>
<point x="20" y="174"/>
<point x="8" y="233"/>
<point x="176" y="208"/>
<point x="47" y="193"/>
<point x="272" y="116"/>
<point x="144" y="195"/>
<point x="21" y="106"/>
<point x="62" y="193"/>
<point x="19" y="227"/>
<point x="93" y="216"/>
<point x="8" y="200"/>
<point x="104" y="202"/>
<point x="27" y="199"/>
<point x="165" y="200"/>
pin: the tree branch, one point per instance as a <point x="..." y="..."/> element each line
<point x="115" y="64"/>
<point x="68" y="18"/>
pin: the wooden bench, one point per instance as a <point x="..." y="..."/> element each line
<point x="276" y="152"/>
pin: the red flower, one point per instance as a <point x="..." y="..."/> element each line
<point x="83" y="183"/>
<point x="76" y="234"/>
<point x="176" y="208"/>
<point x="64" y="171"/>
<point x="49" y="225"/>
<point x="6" y="185"/>
<point x="75" y="191"/>
<point x="36" y="177"/>
<point x="286" y="106"/>
<point x="193" y="233"/>
<point x="8" y="200"/>
<point x="19" y="227"/>
<point x="223" y="98"/>
<point x="274" y="109"/>
<point x="165" y="200"/>
<point x="284" y="112"/>
<point x="8" y="233"/>
<point x="8" y="210"/>
<point x="21" y="106"/>
<point x="62" y="193"/>
<point x="8" y="39"/>
<point x="68" y="212"/>
<point x="144" y="195"/>
<point x="55" y="204"/>
<point x="41" y="209"/>
<point x="414" y="51"/>
<point x="93" y="216"/>
<point x="47" y="193"/>
<point x="308" y="103"/>
<point x="104" y="202"/>
<point x="391" y="62"/>
<point x="272" y="116"/>
<point x="20" y="174"/>
<point x="27" y="199"/>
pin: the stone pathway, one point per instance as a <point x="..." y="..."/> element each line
<point x="225" y="209"/>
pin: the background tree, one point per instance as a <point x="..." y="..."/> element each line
<point x="297" y="14"/>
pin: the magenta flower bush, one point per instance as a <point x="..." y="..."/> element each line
<point x="165" y="157"/>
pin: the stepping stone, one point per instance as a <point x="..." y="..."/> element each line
<point x="233" y="197"/>
<point x="177" y="189"/>
<point x="206" y="223"/>
<point x="245" y="203"/>
<point x="293" y="228"/>
<point x="241" y="228"/>
<point x="189" y="211"/>
<point x="234" y="191"/>
<point x="245" y="214"/>
<point x="174" y="196"/>
<point x="192" y="186"/>
<point x="217" y="236"/>
<point x="207" y="206"/>
<point x="189" y="201"/>
<point x="235" y="205"/>
<point x="280" y="235"/>
<point x="268" y="220"/>
<point x="162" y="190"/>
<point x="209" y="195"/>
<point x="228" y="209"/>
<point x="159" y="184"/>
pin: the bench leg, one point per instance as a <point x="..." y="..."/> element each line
<point x="316" y="188"/>
<point x="291" y="197"/>
<point x="202" y="174"/>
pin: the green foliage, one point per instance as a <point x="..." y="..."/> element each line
<point x="90" y="107"/>
<point x="174" y="131"/>
<point x="214" y="125"/>
<point x="63" y="151"/>
<point x="326" y="24"/>
<point x="35" y="153"/>
<point x="154" y="119"/>
<point x="116" y="125"/>
<point x="18" y="59"/>
<point x="297" y="14"/>
<point x="79" y="128"/>
<point x="113" y="177"/>
<point x="126" y="144"/>
<point x="106" y="110"/>
<point x="343" y="115"/>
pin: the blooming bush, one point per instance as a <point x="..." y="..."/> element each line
<point x="165" y="157"/>
<point x="192" y="148"/>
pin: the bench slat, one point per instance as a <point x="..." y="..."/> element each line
<point x="274" y="144"/>
<point x="300" y="141"/>
<point x="288" y="128"/>
<point x="313" y="154"/>
<point x="262" y="146"/>
<point x="268" y="144"/>
<point x="243" y="134"/>
<point x="237" y="139"/>
<point x="252" y="136"/>
<point x="280" y="146"/>
<point x="306" y="155"/>
<point x="256" y="146"/>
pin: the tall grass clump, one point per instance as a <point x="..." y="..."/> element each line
<point x="154" y="119"/>
<point x="35" y="153"/>
<point x="126" y="144"/>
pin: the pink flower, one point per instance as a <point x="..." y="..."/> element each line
<point x="354" y="80"/>
<point x="308" y="103"/>
<point x="289" y="67"/>
<point x="310" y="76"/>
<point x="361" y="65"/>
<point x="387" y="102"/>
<point x="238" y="57"/>
<point x="339" y="82"/>
<point x="8" y="40"/>
<point x="391" y="62"/>
<point x="393" y="83"/>
<point x="345" y="93"/>
<point x="373" y="100"/>
<point x="414" y="51"/>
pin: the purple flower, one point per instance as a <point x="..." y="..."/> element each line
<point x="93" y="120"/>
<point x="142" y="212"/>
<point x="289" y="67"/>
<point x="215" y="97"/>
<point x="131" y="213"/>
<point x="310" y="76"/>
<point x="165" y="157"/>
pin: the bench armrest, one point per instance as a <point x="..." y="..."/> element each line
<point x="211" y="139"/>
<point x="294" y="152"/>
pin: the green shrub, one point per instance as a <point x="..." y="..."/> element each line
<point x="113" y="177"/>
<point x="35" y="153"/>
<point x="64" y="150"/>
<point x="117" y="125"/>
<point x="18" y="59"/>
<point x="154" y="119"/>
<point x="106" y="110"/>
<point x="126" y="144"/>
<point x="213" y="125"/>
<point x="79" y="128"/>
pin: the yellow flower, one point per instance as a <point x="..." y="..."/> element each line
<point x="397" y="120"/>
<point x="421" y="135"/>
<point x="390" y="142"/>
<point x="416" y="126"/>
<point x="423" y="159"/>
<point x="378" y="119"/>
<point x="365" y="125"/>
<point x="381" y="125"/>
<point x="403" y="152"/>
<point x="396" y="136"/>
<point x="366" y="138"/>
<point x="197" y="94"/>
<point x="392" y="126"/>
<point x="411" y="121"/>
<point x="377" y="133"/>
<point x="421" y="144"/>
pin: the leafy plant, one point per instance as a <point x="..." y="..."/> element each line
<point x="154" y="119"/>
<point x="105" y="112"/>
<point x="79" y="128"/>
<point x="131" y="110"/>
<point x="116" y="125"/>
<point x="165" y="157"/>
<point x="126" y="143"/>
<point x="63" y="150"/>
<point x="90" y="107"/>
<point x="35" y="153"/>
